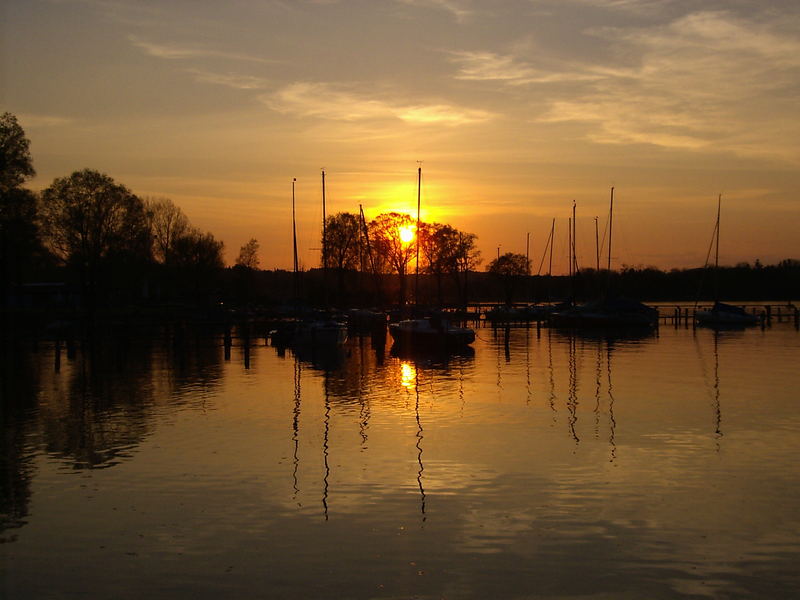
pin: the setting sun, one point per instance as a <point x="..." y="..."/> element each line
<point x="406" y="234"/>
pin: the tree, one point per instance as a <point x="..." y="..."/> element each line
<point x="248" y="255"/>
<point x="467" y="258"/>
<point x="509" y="268"/>
<point x="342" y="247"/>
<point x="198" y="251"/>
<point x="168" y="223"/>
<point x="94" y="224"/>
<point x="392" y="242"/>
<point x="15" y="157"/>
<point x="439" y="244"/>
<point x="20" y="244"/>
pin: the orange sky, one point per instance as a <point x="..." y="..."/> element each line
<point x="515" y="108"/>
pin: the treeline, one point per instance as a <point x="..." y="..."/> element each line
<point x="88" y="242"/>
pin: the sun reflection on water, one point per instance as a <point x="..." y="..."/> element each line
<point x="408" y="375"/>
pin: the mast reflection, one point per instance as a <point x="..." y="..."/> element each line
<point x="572" y="395"/>
<point x="611" y="420"/>
<point x="419" y="446"/>
<point x="296" y="424"/>
<point x="326" y="431"/>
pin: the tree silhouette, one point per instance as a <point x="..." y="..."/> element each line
<point x="468" y="258"/>
<point x="20" y="246"/>
<point x="15" y="156"/>
<point x="168" y="223"/>
<point x="342" y="245"/>
<point x="248" y="255"/>
<point x="509" y="268"/>
<point x="439" y="244"/>
<point x="95" y="225"/>
<point x="385" y="234"/>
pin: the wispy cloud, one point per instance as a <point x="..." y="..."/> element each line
<point x="326" y="101"/>
<point x="632" y="6"/>
<point x="33" y="121"/>
<point x="488" y="66"/>
<point x="232" y="80"/>
<point x="189" y="51"/>
<point x="708" y="79"/>
<point x="459" y="9"/>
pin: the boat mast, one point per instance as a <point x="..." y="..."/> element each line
<point x="419" y="194"/>
<point x="528" y="263"/>
<point x="324" y="236"/>
<point x="294" y="238"/>
<point x="569" y="246"/>
<point x="550" y="266"/>
<point x="610" y="223"/>
<point x="369" y="252"/>
<point x="324" y="242"/>
<point x="716" y="252"/>
<point x="596" y="246"/>
<point x="574" y="242"/>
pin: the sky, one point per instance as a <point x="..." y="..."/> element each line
<point x="513" y="108"/>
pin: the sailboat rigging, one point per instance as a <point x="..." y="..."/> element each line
<point x="721" y="314"/>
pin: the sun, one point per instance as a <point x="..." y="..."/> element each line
<point x="406" y="234"/>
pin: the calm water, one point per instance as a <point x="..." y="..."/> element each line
<point x="539" y="466"/>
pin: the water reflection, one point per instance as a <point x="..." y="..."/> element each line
<point x="580" y="465"/>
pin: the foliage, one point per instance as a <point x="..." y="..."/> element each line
<point x="97" y="227"/>
<point x="21" y="250"/>
<point x="342" y="241"/>
<point x="510" y="268"/>
<point x="446" y="250"/>
<point x="248" y="255"/>
<point x="88" y="217"/>
<point x="15" y="157"/>
<point x="198" y="252"/>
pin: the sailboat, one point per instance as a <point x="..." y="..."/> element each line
<point x="721" y="314"/>
<point x="434" y="332"/>
<point x="608" y="311"/>
<point x="320" y="331"/>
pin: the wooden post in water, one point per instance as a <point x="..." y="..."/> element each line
<point x="57" y="364"/>
<point x="227" y="342"/>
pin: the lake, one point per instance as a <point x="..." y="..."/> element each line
<point x="541" y="464"/>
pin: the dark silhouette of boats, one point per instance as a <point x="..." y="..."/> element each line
<point x="725" y="315"/>
<point x="430" y="332"/>
<point x="721" y="314"/>
<point x="606" y="312"/>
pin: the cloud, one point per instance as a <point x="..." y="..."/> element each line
<point x="34" y="121"/>
<point x="183" y="52"/>
<point x="488" y="66"/>
<point x="632" y="6"/>
<point x="232" y="80"/>
<point x="458" y="8"/>
<point x="325" y="101"/>
<point x="705" y="80"/>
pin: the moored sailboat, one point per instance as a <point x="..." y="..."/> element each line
<point x="721" y="314"/>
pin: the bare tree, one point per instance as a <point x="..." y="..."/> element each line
<point x="248" y="255"/>
<point x="168" y="223"/>
<point x="393" y="238"/>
